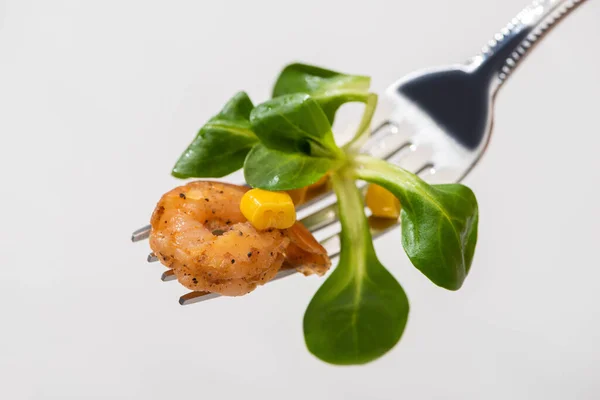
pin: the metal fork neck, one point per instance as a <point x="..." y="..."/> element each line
<point x="501" y="55"/>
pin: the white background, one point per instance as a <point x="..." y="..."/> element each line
<point x="99" y="98"/>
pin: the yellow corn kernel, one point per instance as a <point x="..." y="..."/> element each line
<point x="266" y="209"/>
<point x="298" y="195"/>
<point x="382" y="203"/>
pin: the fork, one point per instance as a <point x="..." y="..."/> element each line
<point x="439" y="124"/>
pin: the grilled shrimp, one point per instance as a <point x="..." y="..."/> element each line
<point x="199" y="231"/>
<point x="304" y="253"/>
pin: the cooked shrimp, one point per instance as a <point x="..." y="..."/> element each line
<point x="199" y="231"/>
<point x="304" y="252"/>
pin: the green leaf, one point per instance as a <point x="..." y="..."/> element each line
<point x="330" y="89"/>
<point x="439" y="222"/>
<point x="274" y="170"/>
<point x="294" y="123"/>
<point x="222" y="144"/>
<point x="360" y="312"/>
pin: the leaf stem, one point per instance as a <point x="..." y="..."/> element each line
<point x="363" y="131"/>
<point x="353" y="220"/>
<point x="367" y="167"/>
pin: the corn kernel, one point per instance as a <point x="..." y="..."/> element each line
<point x="266" y="209"/>
<point x="382" y="203"/>
<point x="298" y="195"/>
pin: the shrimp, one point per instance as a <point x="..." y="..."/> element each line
<point x="304" y="253"/>
<point x="199" y="231"/>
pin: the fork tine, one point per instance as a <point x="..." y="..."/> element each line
<point x="141" y="234"/>
<point x="195" y="297"/>
<point x="427" y="167"/>
<point x="168" y="275"/>
<point x="152" y="258"/>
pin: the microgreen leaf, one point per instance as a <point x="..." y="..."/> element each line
<point x="360" y="312"/>
<point x="221" y="144"/>
<point x="274" y="170"/>
<point x="294" y="123"/>
<point x="330" y="89"/>
<point x="439" y="222"/>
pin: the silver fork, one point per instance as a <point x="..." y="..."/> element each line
<point x="439" y="124"/>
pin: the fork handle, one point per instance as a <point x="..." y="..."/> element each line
<point x="501" y="55"/>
